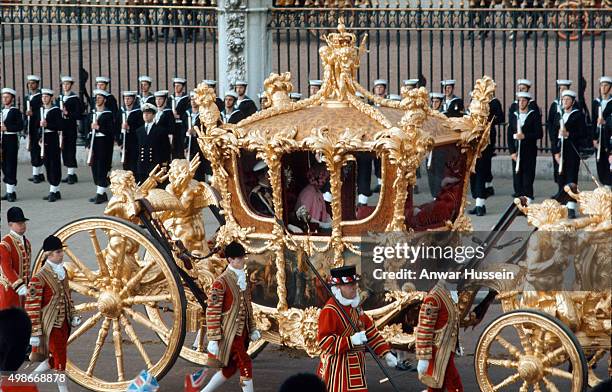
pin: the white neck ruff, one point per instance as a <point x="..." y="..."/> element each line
<point x="345" y="301"/>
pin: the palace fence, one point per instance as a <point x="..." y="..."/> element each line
<point x="432" y="41"/>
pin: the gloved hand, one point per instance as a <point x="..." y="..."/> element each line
<point x="213" y="347"/>
<point x="34" y="341"/>
<point x="22" y="291"/>
<point x="459" y="351"/>
<point x="359" y="338"/>
<point x="76" y="321"/>
<point x="255" y="335"/>
<point x="422" y="366"/>
<point x="391" y="360"/>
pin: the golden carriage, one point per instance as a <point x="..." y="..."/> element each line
<point x="140" y="275"/>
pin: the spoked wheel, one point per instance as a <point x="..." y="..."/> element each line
<point x="116" y="269"/>
<point x="531" y="350"/>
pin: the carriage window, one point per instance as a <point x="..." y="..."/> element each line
<point x="437" y="197"/>
<point x="255" y="184"/>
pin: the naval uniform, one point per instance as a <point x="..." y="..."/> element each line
<point x="204" y="169"/>
<point x="72" y="104"/>
<point x="246" y="106"/>
<point x="602" y="135"/>
<point x="134" y="121"/>
<point x="149" y="98"/>
<point x="33" y="121"/>
<point x="182" y="103"/>
<point x="575" y="125"/>
<point x="53" y="155"/>
<point x="164" y="119"/>
<point x="232" y="118"/>
<point x="483" y="173"/>
<point x="153" y="149"/>
<point x="102" y="155"/>
<point x="552" y="125"/>
<point x="453" y="107"/>
<point x="12" y="120"/>
<point x="531" y="126"/>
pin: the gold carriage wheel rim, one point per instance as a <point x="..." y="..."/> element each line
<point x="491" y="334"/>
<point x="122" y="322"/>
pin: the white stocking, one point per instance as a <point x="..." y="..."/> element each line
<point x="215" y="382"/>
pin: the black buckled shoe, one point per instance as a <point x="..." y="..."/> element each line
<point x="101" y="198"/>
<point x="52" y="197"/>
<point x="473" y="211"/>
<point x="481" y="211"/>
<point x="70" y="179"/>
<point x="10" y="197"/>
<point x="41" y="178"/>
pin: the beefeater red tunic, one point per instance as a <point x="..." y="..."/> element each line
<point x="342" y="365"/>
<point x="14" y="269"/>
<point x="50" y="308"/>
<point x="437" y="334"/>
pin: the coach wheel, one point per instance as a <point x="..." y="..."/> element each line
<point x="531" y="350"/>
<point x="115" y="270"/>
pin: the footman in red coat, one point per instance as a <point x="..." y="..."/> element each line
<point x="15" y="251"/>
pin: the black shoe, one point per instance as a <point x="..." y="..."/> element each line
<point x="556" y="196"/>
<point x="489" y="191"/>
<point x="10" y="197"/>
<point x="376" y="189"/>
<point x="473" y="211"/>
<point x="36" y="179"/>
<point x="101" y="198"/>
<point x="65" y="179"/>
<point x="53" y="196"/>
<point x="41" y="178"/>
<point x="93" y="199"/>
<point x="71" y="179"/>
<point x="481" y="211"/>
<point x="571" y="213"/>
<point x="33" y="178"/>
<point x="58" y="195"/>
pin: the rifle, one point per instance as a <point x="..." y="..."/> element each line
<point x="519" y="131"/>
<point x="561" y="127"/>
<point x="93" y="135"/>
<point x="124" y="134"/>
<point x="189" y="125"/>
<point x="600" y="131"/>
<point x="42" y="148"/>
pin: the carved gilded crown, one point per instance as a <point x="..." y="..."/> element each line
<point x="341" y="39"/>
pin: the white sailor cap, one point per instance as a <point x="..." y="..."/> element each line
<point x="232" y="94"/>
<point x="46" y="91"/>
<point x="179" y="80"/>
<point x="209" y="82"/>
<point x="436" y="96"/>
<point x="382" y="82"/>
<point x="261" y="95"/>
<point x="297" y="96"/>
<point x="315" y="82"/>
<point x="192" y="93"/>
<point x="260" y="165"/>
<point x="67" y="79"/>
<point x="523" y="94"/>
<point x="129" y="93"/>
<point x="7" y="90"/>
<point x="564" y="82"/>
<point x="411" y="82"/>
<point x="605" y="79"/>
<point x="33" y="78"/>
<point x="569" y="93"/>
<point x="161" y="93"/>
<point x="525" y="82"/>
<point x="100" y="92"/>
<point x="240" y="83"/>
<point x="448" y="82"/>
<point x="145" y="78"/>
<point x="102" y="79"/>
<point x="147" y="107"/>
<point x="394" y="97"/>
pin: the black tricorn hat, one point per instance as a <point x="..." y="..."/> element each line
<point x="234" y="249"/>
<point x="15" y="214"/>
<point x="52" y="243"/>
<point x="344" y="275"/>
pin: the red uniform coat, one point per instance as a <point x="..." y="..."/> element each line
<point x="50" y="308"/>
<point x="342" y="365"/>
<point x="14" y="269"/>
<point x="437" y="334"/>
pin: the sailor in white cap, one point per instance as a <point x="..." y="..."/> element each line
<point x="131" y="120"/>
<point x="524" y="131"/>
<point x="379" y="88"/>
<point x="295" y="96"/>
<point x="153" y="145"/>
<point x="32" y="105"/>
<point x="213" y="84"/>
<point x="103" y="83"/>
<point x="146" y="96"/>
<point x="164" y="118"/>
<point x="555" y="112"/>
<point x="72" y="108"/>
<point x="245" y="104"/>
<point x="204" y="170"/>
<point x="260" y="196"/>
<point x="570" y="130"/>
<point x="411" y="83"/>
<point x="523" y="85"/>
<point x="263" y="101"/>
<point x="179" y="102"/>
<point x="11" y="126"/>
<point x="602" y="124"/>
<point x="453" y="105"/>
<point x="230" y="113"/>
<point x="51" y="124"/>
<point x="436" y="101"/>
<point x="314" y="85"/>
<point x="100" y="146"/>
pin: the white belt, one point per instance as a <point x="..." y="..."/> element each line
<point x="99" y="134"/>
<point x="47" y="131"/>
<point x="10" y="133"/>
